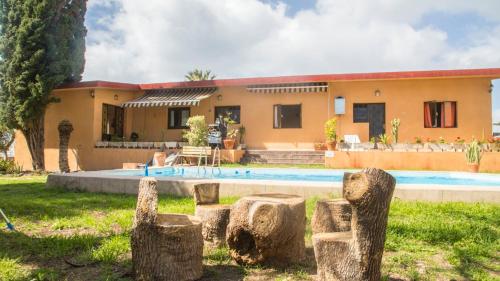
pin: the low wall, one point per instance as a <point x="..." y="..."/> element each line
<point x="113" y="158"/>
<point x="387" y="160"/>
<point x="95" y="182"/>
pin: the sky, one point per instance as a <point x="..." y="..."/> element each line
<point x="161" y="40"/>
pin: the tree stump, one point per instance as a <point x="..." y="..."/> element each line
<point x="164" y="246"/>
<point x="357" y="254"/>
<point x="331" y="215"/>
<point x="65" y="128"/>
<point x="267" y="229"/>
<point x="214" y="217"/>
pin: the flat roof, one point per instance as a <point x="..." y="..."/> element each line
<point x="456" y="73"/>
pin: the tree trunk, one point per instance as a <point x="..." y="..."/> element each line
<point x="331" y="215"/>
<point x="65" y="128"/>
<point x="214" y="217"/>
<point x="35" y="139"/>
<point x="164" y="246"/>
<point x="267" y="229"/>
<point x="357" y="255"/>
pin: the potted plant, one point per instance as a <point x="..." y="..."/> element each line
<point x="230" y="139"/>
<point x="319" y="146"/>
<point x="473" y="156"/>
<point x="395" y="129"/>
<point x="331" y="133"/>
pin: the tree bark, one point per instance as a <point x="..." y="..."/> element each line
<point x="65" y="128"/>
<point x="267" y="229"/>
<point x="357" y="254"/>
<point x="164" y="246"/>
<point x="331" y="215"/>
<point x="35" y="139"/>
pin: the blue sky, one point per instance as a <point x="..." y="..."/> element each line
<point x="131" y="41"/>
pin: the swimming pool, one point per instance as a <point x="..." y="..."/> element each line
<point x="312" y="175"/>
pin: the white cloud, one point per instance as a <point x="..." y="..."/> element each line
<point x="162" y="40"/>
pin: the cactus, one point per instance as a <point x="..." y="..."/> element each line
<point x="473" y="153"/>
<point x="395" y="128"/>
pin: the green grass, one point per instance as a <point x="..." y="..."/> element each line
<point x="424" y="241"/>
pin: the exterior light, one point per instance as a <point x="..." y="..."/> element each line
<point x="491" y="88"/>
<point x="219" y="97"/>
<point x="377" y="93"/>
<point x="92" y="93"/>
<point x="116" y="97"/>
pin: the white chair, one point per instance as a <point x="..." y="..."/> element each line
<point x="352" y="140"/>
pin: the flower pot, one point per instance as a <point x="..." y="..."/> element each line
<point x="159" y="158"/>
<point x="473" y="168"/>
<point x="229" y="143"/>
<point x="331" y="145"/>
<point x="319" y="146"/>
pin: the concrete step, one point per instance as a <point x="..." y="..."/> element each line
<point x="284" y="157"/>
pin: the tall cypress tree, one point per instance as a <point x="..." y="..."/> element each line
<point x="42" y="45"/>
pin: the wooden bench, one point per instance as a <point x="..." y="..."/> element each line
<point x="200" y="152"/>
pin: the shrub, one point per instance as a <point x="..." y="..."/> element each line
<point x="10" y="167"/>
<point x="198" y="131"/>
<point x="331" y="129"/>
<point x="384" y="139"/>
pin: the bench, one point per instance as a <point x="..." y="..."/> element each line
<point x="199" y="152"/>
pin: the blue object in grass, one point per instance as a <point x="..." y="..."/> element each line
<point x="10" y="226"/>
<point x="146" y="171"/>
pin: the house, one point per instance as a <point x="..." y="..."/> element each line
<point x="279" y="113"/>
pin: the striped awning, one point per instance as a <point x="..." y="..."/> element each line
<point x="172" y="97"/>
<point x="312" y="87"/>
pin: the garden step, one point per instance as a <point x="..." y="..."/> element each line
<point x="284" y="157"/>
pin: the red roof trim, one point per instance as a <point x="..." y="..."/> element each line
<point x="100" y="84"/>
<point x="485" y="72"/>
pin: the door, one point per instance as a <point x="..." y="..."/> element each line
<point x="376" y="119"/>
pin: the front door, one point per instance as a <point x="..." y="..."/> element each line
<point x="376" y="119"/>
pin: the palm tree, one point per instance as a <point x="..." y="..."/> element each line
<point x="199" y="75"/>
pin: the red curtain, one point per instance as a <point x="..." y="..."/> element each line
<point x="449" y="114"/>
<point x="427" y="115"/>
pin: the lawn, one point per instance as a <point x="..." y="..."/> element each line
<point x="425" y="241"/>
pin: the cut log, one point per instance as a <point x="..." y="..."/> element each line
<point x="215" y="219"/>
<point x="357" y="254"/>
<point x="331" y="215"/>
<point x="267" y="229"/>
<point x="206" y="193"/>
<point x="164" y="246"/>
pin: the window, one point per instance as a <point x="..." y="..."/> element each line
<point x="228" y="111"/>
<point x="440" y="114"/>
<point x="112" y="122"/>
<point x="177" y="117"/>
<point x="360" y="113"/>
<point x="287" y="116"/>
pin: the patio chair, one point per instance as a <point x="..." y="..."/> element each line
<point x="352" y="140"/>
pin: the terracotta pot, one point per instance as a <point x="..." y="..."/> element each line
<point x="331" y="145"/>
<point x="473" y="168"/>
<point x="159" y="158"/>
<point x="229" y="143"/>
<point x="319" y="146"/>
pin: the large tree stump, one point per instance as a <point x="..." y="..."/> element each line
<point x="357" y="255"/>
<point x="164" y="246"/>
<point x="331" y="215"/>
<point x="267" y="229"/>
<point x="214" y="217"/>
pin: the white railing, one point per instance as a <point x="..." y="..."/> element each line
<point x="140" y="144"/>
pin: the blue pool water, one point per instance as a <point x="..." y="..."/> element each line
<point x="314" y="175"/>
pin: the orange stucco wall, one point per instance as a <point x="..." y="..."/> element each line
<point x="403" y="99"/>
<point x="440" y="161"/>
